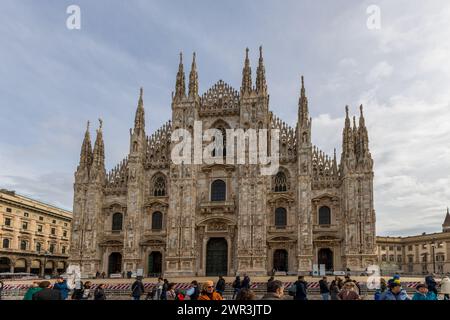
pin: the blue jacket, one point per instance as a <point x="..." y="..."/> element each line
<point x="429" y="296"/>
<point x="388" y="295"/>
<point x="63" y="289"/>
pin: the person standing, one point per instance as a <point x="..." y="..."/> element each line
<point x="170" y="293"/>
<point x="275" y="291"/>
<point x="208" y="292"/>
<point x="431" y="283"/>
<point x="86" y="290"/>
<point x="99" y="293"/>
<point x="334" y="290"/>
<point x="32" y="290"/>
<point x="236" y="286"/>
<point x="61" y="285"/>
<point x="103" y="275"/>
<point x="137" y="289"/>
<point x="220" y="286"/>
<point x="78" y="291"/>
<point x="245" y="282"/>
<point x="422" y="293"/>
<point x="97" y="274"/>
<point x="193" y="292"/>
<point x="46" y="292"/>
<point x="445" y="287"/>
<point x="164" y="289"/>
<point x="301" y="289"/>
<point x="158" y="289"/>
<point x="324" y="290"/>
<point x="395" y="292"/>
<point x="349" y="292"/>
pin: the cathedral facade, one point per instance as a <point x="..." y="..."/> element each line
<point x="220" y="219"/>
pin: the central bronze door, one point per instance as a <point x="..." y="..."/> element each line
<point x="217" y="257"/>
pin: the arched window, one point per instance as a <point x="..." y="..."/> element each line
<point x="23" y="245"/>
<point x="38" y="247"/>
<point x="117" y="220"/>
<point x="221" y="146"/>
<point x="159" y="187"/>
<point x="157" y="220"/>
<point x="280" y="217"/>
<point x="324" y="215"/>
<point x="280" y="182"/>
<point x="218" y="190"/>
<point x="5" y="243"/>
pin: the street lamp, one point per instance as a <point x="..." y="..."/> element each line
<point x="46" y="254"/>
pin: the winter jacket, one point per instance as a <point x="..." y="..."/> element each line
<point x="29" y="294"/>
<point x="137" y="289"/>
<point x="99" y="294"/>
<point x="431" y="283"/>
<point x="220" y="286"/>
<point x="300" y="290"/>
<point x="428" y="296"/>
<point x="246" y="283"/>
<point x="47" y="294"/>
<point x="214" y="296"/>
<point x="63" y="289"/>
<point x="389" y="295"/>
<point x="271" y="296"/>
<point x="323" y="285"/>
<point x="445" y="285"/>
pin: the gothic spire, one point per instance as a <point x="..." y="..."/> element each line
<point x="446" y="224"/>
<point x="246" y="75"/>
<point x="347" y="136"/>
<point x="193" y="79"/>
<point x="261" y="85"/>
<point x="99" y="149"/>
<point x="180" y="86"/>
<point x="139" y="119"/>
<point x="363" y="135"/>
<point x="303" y="104"/>
<point x="86" y="149"/>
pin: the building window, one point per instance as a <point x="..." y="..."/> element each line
<point x="383" y="258"/>
<point x="324" y="215"/>
<point x="117" y="219"/>
<point x="399" y="248"/>
<point x="410" y="248"/>
<point x="23" y="245"/>
<point x="53" y="231"/>
<point x="41" y="218"/>
<point x="6" y="243"/>
<point x="280" y="217"/>
<point x="410" y="259"/>
<point x="8" y="222"/>
<point x="399" y="259"/>
<point x="220" y="149"/>
<point x="391" y="258"/>
<point x="63" y="250"/>
<point x="218" y="190"/>
<point x="24" y="225"/>
<point x="383" y="247"/>
<point x="38" y="247"/>
<point x="39" y="228"/>
<point x="391" y="248"/>
<point x="52" y="248"/>
<point x="8" y="210"/>
<point x="26" y="214"/>
<point x="65" y="233"/>
<point x="65" y="224"/>
<point x="54" y="221"/>
<point x="424" y="258"/>
<point x="159" y="187"/>
<point x="280" y="182"/>
<point x="157" y="220"/>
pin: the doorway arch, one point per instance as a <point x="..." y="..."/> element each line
<point x="154" y="263"/>
<point x="325" y="256"/>
<point x="115" y="263"/>
<point x="217" y="257"/>
<point x="280" y="260"/>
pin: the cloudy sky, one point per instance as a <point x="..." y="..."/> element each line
<point x="52" y="80"/>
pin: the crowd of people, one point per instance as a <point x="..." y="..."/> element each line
<point x="338" y="289"/>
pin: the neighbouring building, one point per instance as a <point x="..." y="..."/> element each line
<point x="198" y="219"/>
<point x="420" y="254"/>
<point x="34" y="236"/>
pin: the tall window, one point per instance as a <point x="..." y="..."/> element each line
<point x="117" y="219"/>
<point x="159" y="187"/>
<point x="38" y="247"/>
<point x="157" y="220"/>
<point x="23" y="245"/>
<point x="5" y="243"/>
<point x="220" y="146"/>
<point x="324" y="215"/>
<point x="218" y="190"/>
<point x="280" y="217"/>
<point x="280" y="182"/>
<point x="52" y="248"/>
